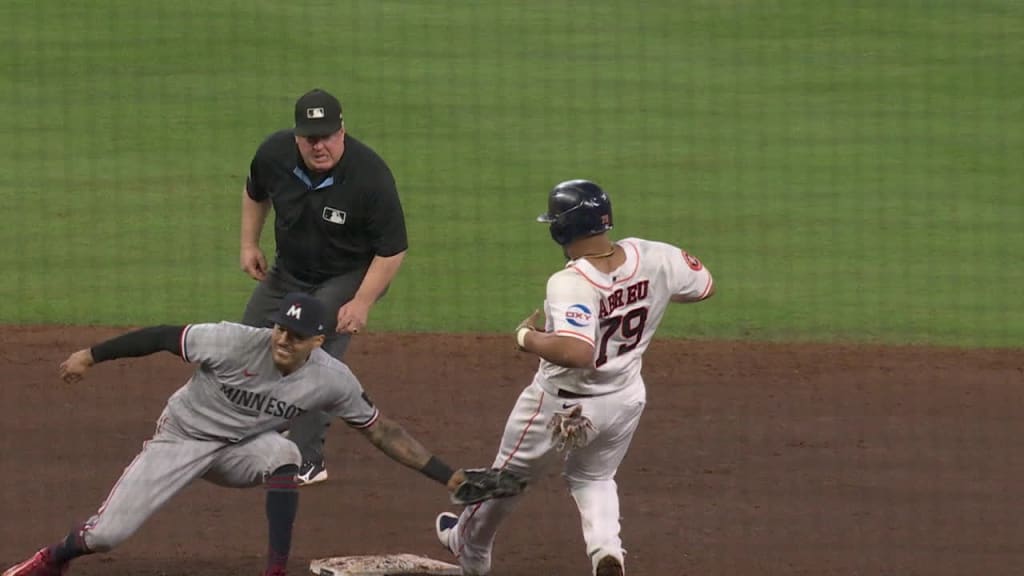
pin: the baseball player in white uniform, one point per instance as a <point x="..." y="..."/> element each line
<point x="585" y="401"/>
<point x="224" y="425"/>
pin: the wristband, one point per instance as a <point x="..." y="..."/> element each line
<point x="521" y="336"/>
<point x="437" y="470"/>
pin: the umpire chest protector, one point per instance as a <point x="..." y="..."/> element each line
<point x="330" y="223"/>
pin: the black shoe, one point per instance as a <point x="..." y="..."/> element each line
<point x="311" y="472"/>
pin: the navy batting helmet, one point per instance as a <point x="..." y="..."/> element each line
<point x="576" y="209"/>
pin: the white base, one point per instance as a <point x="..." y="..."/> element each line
<point x="389" y="565"/>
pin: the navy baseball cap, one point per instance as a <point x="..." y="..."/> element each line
<point x="317" y="113"/>
<point x="301" y="313"/>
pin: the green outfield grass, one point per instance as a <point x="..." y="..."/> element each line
<point x="848" y="170"/>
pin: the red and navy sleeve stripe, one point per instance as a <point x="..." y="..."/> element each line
<point x="373" y="420"/>
<point x="184" y="340"/>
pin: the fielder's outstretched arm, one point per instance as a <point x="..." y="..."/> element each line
<point x="132" y="344"/>
<point x="390" y="438"/>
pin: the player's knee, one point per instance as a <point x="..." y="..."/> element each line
<point x="579" y="479"/>
<point x="100" y="539"/>
<point x="285" y="454"/>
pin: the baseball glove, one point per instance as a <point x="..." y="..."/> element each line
<point x="569" y="428"/>
<point x="485" y="484"/>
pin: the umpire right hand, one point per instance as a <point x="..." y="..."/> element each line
<point x="253" y="262"/>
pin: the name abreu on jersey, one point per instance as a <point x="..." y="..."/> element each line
<point x="629" y="303"/>
<point x="625" y="296"/>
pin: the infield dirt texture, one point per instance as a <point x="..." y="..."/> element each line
<point x="750" y="459"/>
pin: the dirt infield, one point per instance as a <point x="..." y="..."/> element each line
<point x="750" y="459"/>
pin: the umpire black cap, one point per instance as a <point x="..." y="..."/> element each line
<point x="317" y="113"/>
<point x="302" y="314"/>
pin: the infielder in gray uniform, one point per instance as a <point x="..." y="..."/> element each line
<point x="223" y="425"/>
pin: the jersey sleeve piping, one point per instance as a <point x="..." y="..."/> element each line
<point x="373" y="419"/>
<point x="707" y="289"/>
<point x="703" y="295"/>
<point x="576" y="335"/>
<point x="184" y="339"/>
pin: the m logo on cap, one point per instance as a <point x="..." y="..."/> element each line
<point x="294" y="312"/>
<point x="314" y="113"/>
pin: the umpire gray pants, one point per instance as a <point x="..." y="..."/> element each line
<point x="309" y="430"/>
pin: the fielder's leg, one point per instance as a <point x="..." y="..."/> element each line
<point x="166" y="464"/>
<point x="273" y="461"/>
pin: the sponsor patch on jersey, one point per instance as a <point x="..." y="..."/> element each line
<point x="692" y="261"/>
<point x="334" y="216"/>
<point x="578" y="315"/>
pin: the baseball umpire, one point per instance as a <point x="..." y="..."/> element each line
<point x="223" y="426"/>
<point x="339" y="230"/>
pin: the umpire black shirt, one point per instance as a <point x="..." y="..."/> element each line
<point x="328" y="224"/>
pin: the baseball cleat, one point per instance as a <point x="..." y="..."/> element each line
<point x="609" y="566"/>
<point x="311" y="472"/>
<point x="444" y="524"/>
<point x="38" y="565"/>
<point x="276" y="571"/>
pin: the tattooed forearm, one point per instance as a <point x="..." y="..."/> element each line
<point x="390" y="438"/>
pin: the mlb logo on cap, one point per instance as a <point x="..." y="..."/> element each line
<point x="301" y="313"/>
<point x="317" y="113"/>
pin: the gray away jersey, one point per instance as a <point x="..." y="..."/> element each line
<point x="236" y="391"/>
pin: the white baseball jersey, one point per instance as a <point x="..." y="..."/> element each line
<point x="617" y="313"/>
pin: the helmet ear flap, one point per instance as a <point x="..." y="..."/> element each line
<point x="560" y="231"/>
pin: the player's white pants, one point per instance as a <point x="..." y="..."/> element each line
<point x="526" y="449"/>
<point x="169" y="462"/>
